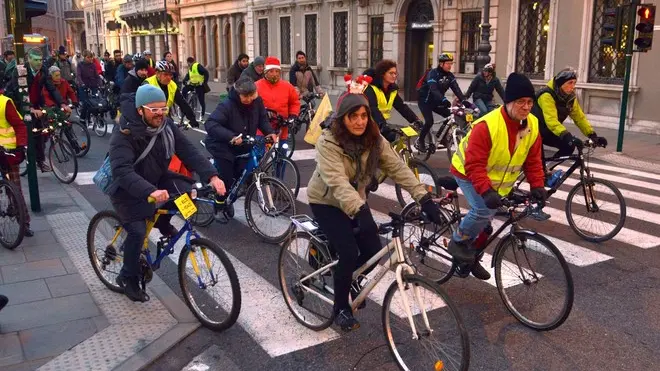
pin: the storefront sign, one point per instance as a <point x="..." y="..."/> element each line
<point x="418" y="25"/>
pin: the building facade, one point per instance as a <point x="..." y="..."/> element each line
<point x="52" y="24"/>
<point x="535" y="37"/>
<point x="142" y="26"/>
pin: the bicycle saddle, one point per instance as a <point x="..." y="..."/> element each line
<point x="448" y="183"/>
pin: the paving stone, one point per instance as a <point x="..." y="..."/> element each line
<point x="44" y="252"/>
<point x="53" y="340"/>
<point x="29" y="365"/>
<point x="48" y="312"/>
<point x="39" y="238"/>
<point x="68" y="265"/>
<point x="9" y="257"/>
<point x="32" y="270"/>
<point x="25" y="292"/>
<point x="10" y="349"/>
<point x="39" y="224"/>
<point x="70" y="284"/>
<point x="101" y="322"/>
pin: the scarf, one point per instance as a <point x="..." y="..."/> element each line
<point x="354" y="149"/>
<point x="167" y="135"/>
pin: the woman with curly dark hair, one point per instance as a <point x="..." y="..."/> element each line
<point x="348" y="155"/>
<point x="383" y="95"/>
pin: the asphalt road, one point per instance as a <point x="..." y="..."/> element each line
<point x="613" y="325"/>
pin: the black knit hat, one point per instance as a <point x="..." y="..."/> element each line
<point x="245" y="85"/>
<point x="518" y="86"/>
<point x="141" y="64"/>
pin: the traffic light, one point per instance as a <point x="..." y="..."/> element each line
<point x="612" y="27"/>
<point x="645" y="26"/>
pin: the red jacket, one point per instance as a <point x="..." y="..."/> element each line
<point x="476" y="157"/>
<point x="151" y="67"/>
<point x="16" y="122"/>
<point x="281" y="97"/>
<point x="66" y="91"/>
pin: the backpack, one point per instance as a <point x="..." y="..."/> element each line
<point x="422" y="80"/>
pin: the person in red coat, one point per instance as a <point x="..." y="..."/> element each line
<point x="278" y="95"/>
<point x="63" y="86"/>
<point x="99" y="68"/>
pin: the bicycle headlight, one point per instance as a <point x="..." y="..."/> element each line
<point x="193" y="193"/>
<point x="285" y="146"/>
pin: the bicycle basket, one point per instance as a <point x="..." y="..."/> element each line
<point x="97" y="105"/>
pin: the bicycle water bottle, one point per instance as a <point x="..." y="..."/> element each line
<point x="554" y="178"/>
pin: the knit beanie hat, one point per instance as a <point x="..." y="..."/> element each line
<point x="128" y="58"/>
<point x="141" y="64"/>
<point x="259" y="61"/>
<point x="565" y="75"/>
<point x="147" y="94"/>
<point x="272" y="63"/>
<point x="348" y="101"/>
<point x="245" y="85"/>
<point x="53" y="69"/>
<point x="518" y="86"/>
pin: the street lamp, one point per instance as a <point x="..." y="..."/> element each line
<point x="483" y="58"/>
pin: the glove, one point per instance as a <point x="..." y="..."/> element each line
<point x="388" y="133"/>
<point x="572" y="141"/>
<point x="467" y="104"/>
<point x="600" y="141"/>
<point x="445" y="103"/>
<point x="431" y="209"/>
<point x="492" y="199"/>
<point x="364" y="221"/>
<point x="540" y="195"/>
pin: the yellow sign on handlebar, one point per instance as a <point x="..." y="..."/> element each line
<point x="409" y="131"/>
<point x="186" y="206"/>
<point x="469" y="117"/>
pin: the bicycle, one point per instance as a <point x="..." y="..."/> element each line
<point x="14" y="209"/>
<point x="216" y="313"/>
<point x="452" y="130"/>
<point x="307" y="112"/>
<point x="308" y="291"/>
<point x="271" y="197"/>
<point x="585" y="187"/>
<point x="278" y="122"/>
<point x="193" y="102"/>
<point x="428" y="253"/>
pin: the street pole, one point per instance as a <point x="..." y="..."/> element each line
<point x="167" y="45"/>
<point x="96" y="23"/>
<point x="484" y="48"/>
<point x="632" y="11"/>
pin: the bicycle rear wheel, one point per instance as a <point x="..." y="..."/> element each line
<point x="62" y="160"/>
<point x="268" y="209"/>
<point x="13" y="214"/>
<point x="105" y="247"/>
<point x="99" y="125"/>
<point x="598" y="199"/>
<point x="285" y="170"/>
<point x="209" y="284"/>
<point x="78" y="137"/>
<point x="442" y="345"/>
<point x="424" y="174"/>
<point x="311" y="301"/>
<point x="525" y="263"/>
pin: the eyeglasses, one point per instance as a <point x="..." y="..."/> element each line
<point x="522" y="103"/>
<point x="157" y="110"/>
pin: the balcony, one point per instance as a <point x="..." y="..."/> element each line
<point x="74" y="16"/>
<point x="136" y="7"/>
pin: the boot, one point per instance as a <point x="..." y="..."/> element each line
<point x="480" y="272"/>
<point x="28" y="232"/>
<point x="345" y="320"/>
<point x="132" y="288"/>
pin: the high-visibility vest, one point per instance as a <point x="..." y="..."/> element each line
<point x="171" y="89"/>
<point x="385" y="104"/>
<point x="7" y="133"/>
<point x="503" y="169"/>
<point x="195" y="77"/>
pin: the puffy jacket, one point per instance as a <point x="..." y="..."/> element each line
<point x="66" y="69"/>
<point x="131" y="83"/>
<point x="482" y="89"/>
<point x="87" y="75"/>
<point x="231" y="118"/>
<point x="234" y="73"/>
<point x="65" y="90"/>
<point x="436" y="85"/>
<point x="330" y="183"/>
<point x="304" y="79"/>
<point x="280" y="97"/>
<point x="551" y="111"/>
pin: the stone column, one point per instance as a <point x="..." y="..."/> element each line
<point x="223" y="46"/>
<point x="363" y="39"/>
<point x="197" y="39"/>
<point x="210" y="63"/>
<point x="235" y="18"/>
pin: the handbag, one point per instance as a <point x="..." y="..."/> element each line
<point x="103" y="177"/>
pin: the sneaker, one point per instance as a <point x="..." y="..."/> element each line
<point x="28" y="232"/>
<point x="539" y="215"/>
<point x="480" y="272"/>
<point x="345" y="320"/>
<point x="132" y="288"/>
<point x="420" y="146"/>
<point x="461" y="251"/>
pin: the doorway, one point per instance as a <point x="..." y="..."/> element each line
<point x="419" y="44"/>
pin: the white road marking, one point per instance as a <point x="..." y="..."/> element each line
<point x="619" y="179"/>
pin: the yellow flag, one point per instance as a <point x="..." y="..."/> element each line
<point x="322" y="112"/>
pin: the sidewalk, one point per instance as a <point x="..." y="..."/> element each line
<point x="60" y="316"/>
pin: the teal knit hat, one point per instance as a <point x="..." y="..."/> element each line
<point x="148" y="94"/>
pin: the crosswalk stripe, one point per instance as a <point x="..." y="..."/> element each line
<point x="638" y="196"/>
<point x="85" y="178"/>
<point x="620" y="170"/>
<point x="621" y="180"/>
<point x="304" y="154"/>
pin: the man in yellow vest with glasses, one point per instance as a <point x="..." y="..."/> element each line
<point x="13" y="138"/>
<point x="197" y="79"/>
<point x="488" y="162"/>
<point x="163" y="79"/>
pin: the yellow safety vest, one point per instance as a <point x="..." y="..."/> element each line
<point x="384" y="104"/>
<point x="171" y="89"/>
<point x="7" y="133"/>
<point x="503" y="169"/>
<point x="195" y="77"/>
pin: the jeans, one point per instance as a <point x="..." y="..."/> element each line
<point x="427" y="113"/>
<point x="199" y="91"/>
<point x="484" y="106"/>
<point x="477" y="218"/>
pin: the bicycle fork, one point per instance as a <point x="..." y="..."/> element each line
<point x="406" y="302"/>
<point x="260" y="195"/>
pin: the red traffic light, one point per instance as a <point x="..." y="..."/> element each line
<point x="646" y="13"/>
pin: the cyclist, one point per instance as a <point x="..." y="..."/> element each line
<point x="198" y="78"/>
<point x="122" y="71"/>
<point x="150" y="177"/>
<point x="554" y="103"/>
<point x="87" y="77"/>
<point x="150" y="62"/>
<point x="64" y="64"/>
<point x="255" y="70"/>
<point x="237" y="69"/>
<point x="348" y="155"/>
<point x="63" y="87"/>
<point x="163" y="79"/>
<point x="278" y="95"/>
<point x="8" y="59"/>
<point x="432" y="95"/>
<point x="488" y="162"/>
<point x="303" y="77"/>
<point x="383" y="95"/>
<point x="242" y="113"/>
<point x="482" y="87"/>
<point x="167" y="57"/>
<point x="135" y="77"/>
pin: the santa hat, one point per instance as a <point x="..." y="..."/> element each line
<point x="358" y="85"/>
<point x="271" y="63"/>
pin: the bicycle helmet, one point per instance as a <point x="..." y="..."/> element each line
<point x="489" y="68"/>
<point x="163" y="66"/>
<point x="445" y="57"/>
<point x="137" y="56"/>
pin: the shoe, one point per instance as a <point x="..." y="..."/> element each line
<point x="44" y="167"/>
<point x="420" y="146"/>
<point x="229" y="210"/>
<point x="480" y="272"/>
<point x="3" y="301"/>
<point x="461" y="251"/>
<point x="132" y="288"/>
<point x="168" y="230"/>
<point x="539" y="215"/>
<point x="28" y="232"/>
<point x="356" y="288"/>
<point x="345" y="320"/>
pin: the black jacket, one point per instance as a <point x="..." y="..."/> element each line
<point x="180" y="101"/>
<point x="231" y="118"/>
<point x="131" y="83"/>
<point x="398" y="105"/>
<point x="44" y="81"/>
<point x="234" y="73"/>
<point x="482" y="89"/>
<point x="137" y="182"/>
<point x="436" y="85"/>
<point x="110" y="70"/>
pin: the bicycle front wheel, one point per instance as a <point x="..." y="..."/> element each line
<point x="595" y="209"/>
<point x="268" y="209"/>
<point x="100" y="126"/>
<point x="209" y="284"/>
<point x="286" y="171"/>
<point x="63" y="161"/>
<point x="13" y="212"/>
<point x="424" y="174"/>
<point x="529" y="267"/>
<point x="291" y="143"/>
<point x="79" y="138"/>
<point x="441" y="343"/>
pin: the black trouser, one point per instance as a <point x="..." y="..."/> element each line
<point x="552" y="140"/>
<point x="427" y="113"/>
<point x="136" y="231"/>
<point x="199" y="90"/>
<point x="354" y="250"/>
<point x="229" y="170"/>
